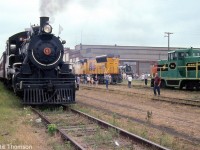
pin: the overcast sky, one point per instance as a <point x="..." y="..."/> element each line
<point x="107" y="22"/>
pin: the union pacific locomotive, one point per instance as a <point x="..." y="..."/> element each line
<point x="32" y="65"/>
<point x="181" y="70"/>
<point x="105" y="64"/>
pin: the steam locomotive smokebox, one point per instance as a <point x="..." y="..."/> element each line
<point x="43" y="21"/>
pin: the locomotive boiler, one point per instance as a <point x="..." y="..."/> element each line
<point x="32" y="65"/>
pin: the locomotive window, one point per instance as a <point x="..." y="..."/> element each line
<point x="196" y="54"/>
<point x="181" y="55"/>
<point x="174" y="56"/>
<point x="170" y="56"/>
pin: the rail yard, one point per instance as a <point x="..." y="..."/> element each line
<point x="172" y="122"/>
<point x="167" y="124"/>
<point x="96" y="75"/>
<point x="87" y="132"/>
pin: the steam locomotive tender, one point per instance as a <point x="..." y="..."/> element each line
<point x="32" y="65"/>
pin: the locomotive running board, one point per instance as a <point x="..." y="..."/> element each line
<point x="39" y="96"/>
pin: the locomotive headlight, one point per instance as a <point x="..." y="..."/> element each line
<point x="47" y="29"/>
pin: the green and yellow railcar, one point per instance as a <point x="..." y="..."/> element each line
<point x="181" y="70"/>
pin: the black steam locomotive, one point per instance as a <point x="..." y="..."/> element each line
<point x="32" y="65"/>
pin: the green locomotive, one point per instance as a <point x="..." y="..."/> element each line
<point x="182" y="69"/>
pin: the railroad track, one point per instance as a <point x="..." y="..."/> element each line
<point x="87" y="132"/>
<point x="138" y="109"/>
<point x="190" y="102"/>
<point x="161" y="128"/>
<point x="181" y="101"/>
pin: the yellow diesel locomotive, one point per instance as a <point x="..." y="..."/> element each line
<point x="105" y="64"/>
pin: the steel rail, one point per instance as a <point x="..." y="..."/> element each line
<point x="63" y="135"/>
<point x="181" y="101"/>
<point x="194" y="103"/>
<point x="123" y="132"/>
<point x="160" y="128"/>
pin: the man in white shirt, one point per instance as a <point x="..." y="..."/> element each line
<point x="129" y="81"/>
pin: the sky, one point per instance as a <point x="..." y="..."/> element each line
<point x="107" y="22"/>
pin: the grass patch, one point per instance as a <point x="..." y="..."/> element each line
<point x="102" y="137"/>
<point x="18" y="125"/>
<point x="58" y="146"/>
<point x="9" y="112"/>
<point x="52" y="128"/>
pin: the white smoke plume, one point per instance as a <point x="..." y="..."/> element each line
<point x="50" y="8"/>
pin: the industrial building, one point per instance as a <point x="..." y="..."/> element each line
<point x="139" y="57"/>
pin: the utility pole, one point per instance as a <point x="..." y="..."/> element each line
<point x="167" y="34"/>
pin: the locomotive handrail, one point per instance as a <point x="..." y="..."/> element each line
<point x="15" y="64"/>
<point x="11" y="55"/>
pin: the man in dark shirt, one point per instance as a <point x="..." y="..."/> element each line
<point x="157" y="82"/>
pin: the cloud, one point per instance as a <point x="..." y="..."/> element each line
<point x="127" y="22"/>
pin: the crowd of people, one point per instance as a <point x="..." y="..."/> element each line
<point x="87" y="79"/>
<point x="129" y="78"/>
<point x="93" y="80"/>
